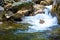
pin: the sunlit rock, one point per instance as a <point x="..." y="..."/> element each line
<point x="25" y="12"/>
<point x="22" y="12"/>
<point x="39" y="9"/>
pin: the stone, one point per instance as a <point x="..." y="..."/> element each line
<point x="41" y="21"/>
<point x="38" y="9"/>
<point x="1" y="22"/>
<point x="49" y="1"/>
<point x="22" y="12"/>
<point x="25" y="12"/>
<point x="37" y="1"/>
<point x="1" y="8"/>
<point x="43" y="3"/>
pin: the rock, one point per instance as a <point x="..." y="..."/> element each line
<point x="37" y="1"/>
<point x="58" y="12"/>
<point x="26" y="12"/>
<point x="49" y="1"/>
<point x="1" y="22"/>
<point x="17" y="17"/>
<point x="38" y="8"/>
<point x="22" y="12"/>
<point x="1" y="2"/>
<point x="7" y="6"/>
<point x="18" y="6"/>
<point x="1" y="8"/>
<point x="58" y="17"/>
<point x="16" y="0"/>
<point x="41" y="21"/>
<point x="43" y="3"/>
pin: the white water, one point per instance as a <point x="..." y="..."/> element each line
<point x="34" y="21"/>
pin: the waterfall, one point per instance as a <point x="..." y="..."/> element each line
<point x="49" y="21"/>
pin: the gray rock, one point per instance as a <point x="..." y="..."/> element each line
<point x="1" y="8"/>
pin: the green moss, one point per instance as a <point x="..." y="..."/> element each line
<point x="10" y="25"/>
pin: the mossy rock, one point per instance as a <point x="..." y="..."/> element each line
<point x="10" y="25"/>
<point x="26" y="5"/>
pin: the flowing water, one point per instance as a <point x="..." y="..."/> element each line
<point x="49" y="20"/>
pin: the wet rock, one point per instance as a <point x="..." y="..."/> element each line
<point x="58" y="12"/>
<point x="58" y="17"/>
<point x="41" y="21"/>
<point x="1" y="9"/>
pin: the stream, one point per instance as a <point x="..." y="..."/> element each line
<point x="37" y="30"/>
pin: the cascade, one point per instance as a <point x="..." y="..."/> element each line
<point x="47" y="20"/>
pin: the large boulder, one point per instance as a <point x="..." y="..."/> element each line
<point x="18" y="6"/>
